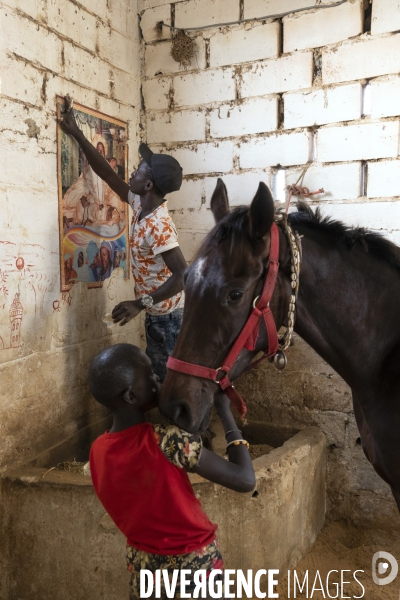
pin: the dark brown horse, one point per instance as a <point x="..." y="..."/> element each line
<point x="347" y="310"/>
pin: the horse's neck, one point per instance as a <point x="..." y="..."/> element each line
<point x="345" y="310"/>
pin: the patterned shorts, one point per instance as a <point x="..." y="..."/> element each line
<point x="207" y="558"/>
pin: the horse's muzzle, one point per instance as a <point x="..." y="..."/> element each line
<point x="181" y="414"/>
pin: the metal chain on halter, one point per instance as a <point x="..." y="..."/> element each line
<point x="294" y="240"/>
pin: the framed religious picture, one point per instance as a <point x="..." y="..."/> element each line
<point x="93" y="219"/>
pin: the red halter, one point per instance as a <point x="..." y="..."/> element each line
<point x="247" y="338"/>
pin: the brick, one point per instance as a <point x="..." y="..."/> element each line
<point x="120" y="110"/>
<point x="197" y="13"/>
<point x="82" y="67"/>
<point x="97" y="7"/>
<point x="384" y="179"/>
<point x="384" y="98"/>
<point x="254" y="8"/>
<point x="361" y="59"/>
<point x="73" y="22"/>
<point x="358" y="142"/>
<point x="323" y="106"/>
<point x="244" y="45"/>
<point x="176" y="127"/>
<point x="283" y="149"/>
<point x="385" y="16"/>
<point x="34" y="8"/>
<point x="340" y="182"/>
<point x="372" y="215"/>
<point x="156" y="93"/>
<point x="123" y="18"/>
<point x="41" y="210"/>
<point x="56" y="86"/>
<point x="189" y="196"/>
<point x="21" y="81"/>
<point x="252" y="116"/>
<point x="150" y="18"/>
<point x="190" y="241"/>
<point x="279" y="75"/>
<point x="38" y="169"/>
<point x="119" y="51"/>
<point x="126" y="86"/>
<point x="241" y="187"/>
<point x="205" y="158"/>
<point x="322" y="27"/>
<point x="158" y="60"/>
<point x="201" y="88"/>
<point x="204" y="219"/>
<point x="30" y="41"/>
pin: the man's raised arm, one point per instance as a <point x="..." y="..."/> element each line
<point x="98" y="163"/>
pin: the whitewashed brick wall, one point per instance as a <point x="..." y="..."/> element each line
<point x="280" y="93"/>
<point x="90" y="50"/>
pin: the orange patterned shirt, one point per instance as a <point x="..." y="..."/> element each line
<point x="149" y="238"/>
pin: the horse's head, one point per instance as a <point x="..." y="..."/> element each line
<point x="221" y="285"/>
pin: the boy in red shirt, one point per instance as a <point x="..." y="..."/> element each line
<point x="139" y="470"/>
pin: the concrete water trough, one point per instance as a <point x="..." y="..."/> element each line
<point x="58" y="542"/>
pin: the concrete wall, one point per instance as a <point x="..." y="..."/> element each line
<point x="50" y="47"/>
<point x="70" y="548"/>
<point x="281" y="93"/>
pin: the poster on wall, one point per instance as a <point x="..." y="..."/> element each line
<point x="93" y="219"/>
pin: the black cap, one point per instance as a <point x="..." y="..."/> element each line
<point x="167" y="172"/>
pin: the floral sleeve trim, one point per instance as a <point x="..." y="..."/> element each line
<point x="179" y="447"/>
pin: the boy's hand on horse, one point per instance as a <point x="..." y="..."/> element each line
<point x="237" y="473"/>
<point x="222" y="404"/>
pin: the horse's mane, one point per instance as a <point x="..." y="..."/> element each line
<point x="236" y="224"/>
<point x="371" y="242"/>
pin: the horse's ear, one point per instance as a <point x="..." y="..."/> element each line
<point x="219" y="201"/>
<point x="262" y="213"/>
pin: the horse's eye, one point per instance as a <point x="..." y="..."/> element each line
<point x="235" y="295"/>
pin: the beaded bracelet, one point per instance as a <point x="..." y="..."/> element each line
<point x="232" y="431"/>
<point x="237" y="443"/>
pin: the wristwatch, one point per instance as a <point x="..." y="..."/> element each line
<point x="147" y="301"/>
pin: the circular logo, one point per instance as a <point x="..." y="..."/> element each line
<point x="382" y="568"/>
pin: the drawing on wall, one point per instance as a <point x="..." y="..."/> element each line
<point x="16" y="312"/>
<point x="93" y="219"/>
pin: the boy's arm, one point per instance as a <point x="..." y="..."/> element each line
<point x="98" y="163"/>
<point x="238" y="473"/>
<point x="176" y="263"/>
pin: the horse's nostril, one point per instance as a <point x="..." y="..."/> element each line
<point x="182" y="416"/>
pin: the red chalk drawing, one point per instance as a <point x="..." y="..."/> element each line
<point x="16" y="312"/>
<point x="67" y="298"/>
<point x="19" y="263"/>
<point x="56" y="305"/>
<point x="3" y="281"/>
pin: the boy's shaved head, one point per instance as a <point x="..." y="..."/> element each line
<point x="115" y="370"/>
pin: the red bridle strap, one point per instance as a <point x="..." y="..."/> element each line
<point x="247" y="338"/>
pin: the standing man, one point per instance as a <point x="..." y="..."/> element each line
<point x="157" y="261"/>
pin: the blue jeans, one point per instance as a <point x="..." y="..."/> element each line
<point x="161" y="335"/>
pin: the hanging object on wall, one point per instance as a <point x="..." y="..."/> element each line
<point x="93" y="219"/>
<point x="182" y="49"/>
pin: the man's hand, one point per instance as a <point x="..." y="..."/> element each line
<point x="67" y="120"/>
<point x="125" y="311"/>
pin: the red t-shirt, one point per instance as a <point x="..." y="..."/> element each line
<point x="149" y="499"/>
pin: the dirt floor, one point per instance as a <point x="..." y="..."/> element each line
<point x="344" y="547"/>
